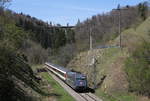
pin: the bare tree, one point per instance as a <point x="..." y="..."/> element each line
<point x="3" y="3"/>
<point x="104" y="27"/>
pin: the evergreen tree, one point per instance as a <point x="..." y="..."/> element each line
<point x="143" y="10"/>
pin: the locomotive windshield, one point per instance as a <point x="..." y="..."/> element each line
<point x="81" y="78"/>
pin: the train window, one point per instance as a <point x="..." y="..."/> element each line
<point x="71" y="77"/>
<point x="61" y="73"/>
<point x="80" y="78"/>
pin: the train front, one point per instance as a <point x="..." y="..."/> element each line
<point x="81" y="82"/>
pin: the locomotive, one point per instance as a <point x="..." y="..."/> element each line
<point x="75" y="80"/>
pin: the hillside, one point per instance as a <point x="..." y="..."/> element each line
<point x="111" y="70"/>
<point x="26" y="41"/>
<point x="104" y="27"/>
<point x="32" y="36"/>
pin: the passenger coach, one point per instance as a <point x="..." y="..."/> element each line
<point x="75" y="80"/>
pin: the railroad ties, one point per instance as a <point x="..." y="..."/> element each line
<point x="89" y="97"/>
<point x="77" y="96"/>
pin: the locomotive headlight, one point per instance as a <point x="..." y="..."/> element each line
<point x="81" y="83"/>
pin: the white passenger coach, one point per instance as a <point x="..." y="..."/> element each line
<point x="57" y="70"/>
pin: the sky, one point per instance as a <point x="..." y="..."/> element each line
<point x="66" y="11"/>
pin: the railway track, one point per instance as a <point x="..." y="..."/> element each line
<point x="90" y="97"/>
<point x="77" y="96"/>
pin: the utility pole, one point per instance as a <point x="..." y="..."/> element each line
<point x="120" y="43"/>
<point x="119" y="25"/>
<point x="94" y="72"/>
<point x="93" y="58"/>
<point x="91" y="46"/>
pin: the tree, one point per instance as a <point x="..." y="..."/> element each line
<point x="15" y="73"/>
<point x="104" y="27"/>
<point x="3" y="3"/>
<point x="138" y="70"/>
<point x="143" y="10"/>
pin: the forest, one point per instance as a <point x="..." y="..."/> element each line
<point x="104" y="27"/>
<point x="25" y="41"/>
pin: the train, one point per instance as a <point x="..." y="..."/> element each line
<point x="75" y="80"/>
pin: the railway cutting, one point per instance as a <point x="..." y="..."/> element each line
<point x="60" y="75"/>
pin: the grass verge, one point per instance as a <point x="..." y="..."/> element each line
<point x="117" y="97"/>
<point x="54" y="89"/>
<point x="62" y="95"/>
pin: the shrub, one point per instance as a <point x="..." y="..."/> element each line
<point x="138" y="70"/>
<point x="35" y="53"/>
<point x="15" y="74"/>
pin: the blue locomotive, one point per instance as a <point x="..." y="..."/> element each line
<point x="74" y="79"/>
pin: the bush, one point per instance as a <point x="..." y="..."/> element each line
<point x="63" y="56"/>
<point x="66" y="53"/>
<point x="15" y="74"/>
<point x="35" y="53"/>
<point x="138" y="70"/>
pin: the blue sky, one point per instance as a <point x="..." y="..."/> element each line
<point x="66" y="11"/>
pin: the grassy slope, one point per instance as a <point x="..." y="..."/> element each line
<point x="57" y="93"/>
<point x="62" y="94"/>
<point x="110" y="62"/>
